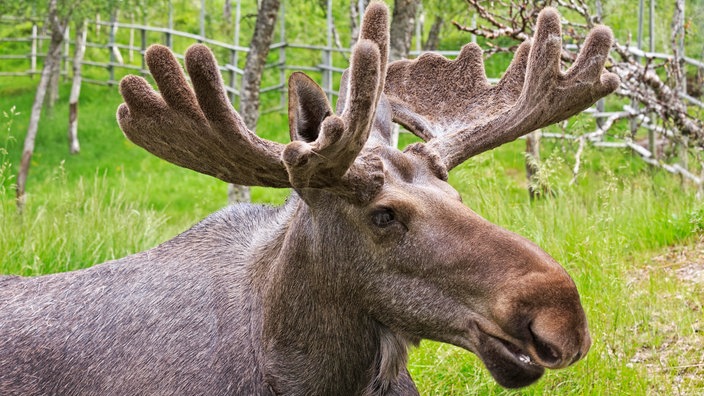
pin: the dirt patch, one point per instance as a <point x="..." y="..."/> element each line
<point x="670" y="287"/>
<point x="687" y="262"/>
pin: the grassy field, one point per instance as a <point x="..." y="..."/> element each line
<point x="624" y="232"/>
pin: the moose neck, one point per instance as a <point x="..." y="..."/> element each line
<point x="315" y="337"/>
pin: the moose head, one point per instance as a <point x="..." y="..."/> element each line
<point x="373" y="252"/>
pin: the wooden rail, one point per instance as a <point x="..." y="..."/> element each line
<point x="322" y="64"/>
<point x="115" y="63"/>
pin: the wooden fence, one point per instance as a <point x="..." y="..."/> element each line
<point x="118" y="57"/>
<point x="140" y="36"/>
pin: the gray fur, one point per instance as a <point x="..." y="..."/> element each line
<point x="183" y="318"/>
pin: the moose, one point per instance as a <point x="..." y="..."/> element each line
<point x="373" y="251"/>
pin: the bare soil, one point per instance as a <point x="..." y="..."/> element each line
<point x="671" y="336"/>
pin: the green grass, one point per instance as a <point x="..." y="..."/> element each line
<point x="114" y="199"/>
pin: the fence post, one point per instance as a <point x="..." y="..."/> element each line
<point x="282" y="55"/>
<point x="233" y="75"/>
<point x="143" y="50"/>
<point x="474" y="26"/>
<point x="327" y="55"/>
<point x="634" y="103"/>
<point x="651" y="41"/>
<point x="601" y="103"/>
<point x="360" y="12"/>
<point x="683" y="64"/>
<point x="98" y="26"/>
<point x="111" y="45"/>
<point x="678" y="32"/>
<point x="169" y="39"/>
<point x="202" y="20"/>
<point x="131" y="52"/>
<point x="33" y="58"/>
<point x="234" y="55"/>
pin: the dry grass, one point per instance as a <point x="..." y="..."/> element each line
<point x="671" y="339"/>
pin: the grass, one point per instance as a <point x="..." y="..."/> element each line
<point x="114" y="199"/>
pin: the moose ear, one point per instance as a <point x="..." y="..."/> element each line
<point x="308" y="106"/>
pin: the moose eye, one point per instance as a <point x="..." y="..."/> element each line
<point x="383" y="217"/>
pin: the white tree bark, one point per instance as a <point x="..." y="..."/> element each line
<point x="536" y="188"/>
<point x="73" y="144"/>
<point x="252" y="78"/>
<point x="53" y="57"/>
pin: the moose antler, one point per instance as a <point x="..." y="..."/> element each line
<point x="452" y="106"/>
<point x="198" y="128"/>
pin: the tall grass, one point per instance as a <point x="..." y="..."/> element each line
<point x="81" y="224"/>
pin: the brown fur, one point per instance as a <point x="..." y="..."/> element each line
<point x="373" y="252"/>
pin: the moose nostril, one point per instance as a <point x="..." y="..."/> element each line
<point x="546" y="352"/>
<point x="576" y="357"/>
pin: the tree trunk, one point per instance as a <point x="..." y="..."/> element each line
<point x="355" y="18"/>
<point x="73" y="144"/>
<point x="256" y="60"/>
<point x="433" y="40"/>
<point x="536" y="187"/>
<point x="401" y="30"/>
<point x="52" y="58"/>
<point x="55" y="78"/>
<point x="237" y="193"/>
<point x="227" y="11"/>
<point x="252" y="77"/>
<point x="678" y="70"/>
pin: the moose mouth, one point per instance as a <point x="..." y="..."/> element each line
<point x="510" y="365"/>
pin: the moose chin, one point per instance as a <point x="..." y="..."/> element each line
<point x="373" y="252"/>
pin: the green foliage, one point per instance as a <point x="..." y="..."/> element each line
<point x="71" y="10"/>
<point x="6" y="171"/>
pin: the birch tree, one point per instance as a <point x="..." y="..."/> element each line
<point x="252" y="77"/>
<point x="80" y="48"/>
<point x="57" y="27"/>
<point x="401" y="29"/>
<point x="59" y="14"/>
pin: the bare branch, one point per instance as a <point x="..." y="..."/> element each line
<point x="640" y="82"/>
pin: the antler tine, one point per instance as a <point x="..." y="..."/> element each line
<point x="329" y="160"/>
<point x="197" y="130"/>
<point x="323" y="162"/>
<point x="461" y="122"/>
<point x="429" y="95"/>
<point x="375" y="28"/>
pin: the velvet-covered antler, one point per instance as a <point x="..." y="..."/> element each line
<point x="198" y="128"/>
<point x="452" y="106"/>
